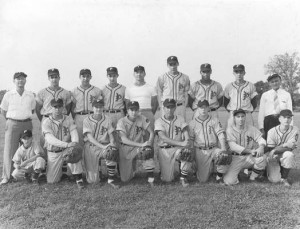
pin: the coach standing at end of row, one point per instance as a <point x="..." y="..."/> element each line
<point x="17" y="108"/>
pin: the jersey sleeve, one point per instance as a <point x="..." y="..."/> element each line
<point x="226" y="91"/>
<point x="121" y="125"/>
<point x="87" y="128"/>
<point x="127" y="94"/>
<point x="46" y="127"/>
<point x="153" y="91"/>
<point x="160" y="84"/>
<point x="158" y="126"/>
<point x="192" y="92"/>
<point x="17" y="157"/>
<point x="253" y="91"/>
<point x="218" y="127"/>
<point x="68" y="98"/>
<point x="220" y="91"/>
<point x="39" y="97"/>
<point x="271" y="139"/>
<point x="293" y="138"/>
<point x="188" y="84"/>
<point x="33" y="102"/>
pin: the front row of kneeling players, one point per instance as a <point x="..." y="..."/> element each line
<point x="204" y="142"/>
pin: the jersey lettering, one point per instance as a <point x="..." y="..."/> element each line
<point x="118" y="97"/>
<point x="177" y="130"/>
<point x="249" y="139"/>
<point x="246" y="95"/>
<point x="138" y="129"/>
<point x="213" y="94"/>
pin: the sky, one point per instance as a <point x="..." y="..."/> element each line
<point x="36" y="35"/>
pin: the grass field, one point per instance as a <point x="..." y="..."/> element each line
<point x="134" y="205"/>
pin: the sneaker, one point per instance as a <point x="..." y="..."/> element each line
<point x="80" y="184"/>
<point x="151" y="181"/>
<point x="285" y="182"/>
<point x="184" y="182"/>
<point x="4" y="181"/>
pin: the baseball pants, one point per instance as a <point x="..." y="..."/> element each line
<point x="127" y="162"/>
<point x="167" y="158"/>
<point x="204" y="163"/>
<point x="54" y="167"/>
<point x="243" y="162"/>
<point x="13" y="131"/>
<point x="249" y="119"/>
<point x="286" y="160"/>
<point x="38" y="164"/>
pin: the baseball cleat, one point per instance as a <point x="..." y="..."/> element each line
<point x="4" y="181"/>
<point x="80" y="184"/>
<point x="184" y="182"/>
<point x="285" y="182"/>
<point x="114" y="185"/>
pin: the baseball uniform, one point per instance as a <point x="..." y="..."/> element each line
<point x="239" y="140"/>
<point x="167" y="154"/>
<point x="134" y="132"/>
<point x="206" y="135"/>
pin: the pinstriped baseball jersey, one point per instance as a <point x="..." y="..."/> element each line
<point x="211" y="93"/>
<point x="133" y="130"/>
<point x="172" y="129"/>
<point x="45" y="96"/>
<point x="99" y="129"/>
<point x="277" y="138"/>
<point x="173" y="87"/>
<point x="58" y="128"/>
<point x="113" y="97"/>
<point x="240" y="96"/>
<point x="205" y="132"/>
<point x="247" y="138"/>
<point x="83" y="98"/>
<point x="23" y="154"/>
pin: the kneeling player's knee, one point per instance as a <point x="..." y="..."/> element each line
<point x="230" y="180"/>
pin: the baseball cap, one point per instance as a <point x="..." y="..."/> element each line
<point x="172" y="59"/>
<point x="273" y="76"/>
<point x="139" y="68"/>
<point x="85" y="71"/>
<point x="203" y="103"/>
<point x="285" y="113"/>
<point x="112" y="70"/>
<point x="169" y="103"/>
<point x="239" y="67"/>
<point x="26" y="133"/>
<point x="19" y="74"/>
<point x="53" y="71"/>
<point x="133" y="104"/>
<point x="98" y="103"/>
<point x="57" y="103"/>
<point x="238" y="112"/>
<point x="205" y="67"/>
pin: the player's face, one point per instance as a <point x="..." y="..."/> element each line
<point x="203" y="110"/>
<point x="98" y="109"/>
<point x="54" y="80"/>
<point x="239" y="75"/>
<point x="133" y="112"/>
<point x="139" y="76"/>
<point x="240" y="119"/>
<point x="275" y="83"/>
<point x="20" y="81"/>
<point x="85" y="79"/>
<point x="169" y="111"/>
<point x="205" y="74"/>
<point x="173" y="66"/>
<point x="26" y="141"/>
<point x="285" y="120"/>
<point x="113" y="78"/>
<point x="57" y="110"/>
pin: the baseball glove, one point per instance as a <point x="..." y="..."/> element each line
<point x="146" y="153"/>
<point x="224" y="158"/>
<point x="112" y="153"/>
<point x="187" y="154"/>
<point x="73" y="154"/>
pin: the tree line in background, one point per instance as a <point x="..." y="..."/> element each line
<point x="286" y="65"/>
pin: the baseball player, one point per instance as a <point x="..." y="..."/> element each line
<point x="98" y="135"/>
<point x="82" y="99"/>
<point x="17" y="107"/>
<point x="271" y="103"/>
<point x="172" y="131"/>
<point x="247" y="145"/>
<point x="130" y="129"/>
<point x="240" y="94"/>
<point x="28" y="160"/>
<point x="207" y="134"/>
<point x="60" y="133"/>
<point x="114" y="96"/>
<point x="281" y="142"/>
<point x="173" y="85"/>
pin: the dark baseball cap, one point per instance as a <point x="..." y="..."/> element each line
<point x="273" y="77"/>
<point x="112" y="70"/>
<point x="139" y="68"/>
<point x="53" y="71"/>
<point x="285" y="113"/>
<point x="169" y="103"/>
<point x="57" y="103"/>
<point x="85" y="71"/>
<point x="98" y="103"/>
<point x="239" y="67"/>
<point x="133" y="105"/>
<point x="19" y="74"/>
<point x="205" y="67"/>
<point x="172" y="59"/>
<point x="26" y="134"/>
<point x="238" y="112"/>
<point x="203" y="103"/>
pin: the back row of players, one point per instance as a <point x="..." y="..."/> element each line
<point x="95" y="131"/>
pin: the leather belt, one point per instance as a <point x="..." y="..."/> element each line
<point x="56" y="151"/>
<point x="20" y="120"/>
<point x="213" y="109"/>
<point x="84" y="112"/>
<point x="166" y="147"/>
<point x="237" y="154"/>
<point x="47" y="116"/>
<point x="179" y="104"/>
<point x="206" y="148"/>
<point x="112" y="111"/>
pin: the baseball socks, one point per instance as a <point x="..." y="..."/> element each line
<point x="183" y="178"/>
<point x="111" y="169"/>
<point x="151" y="178"/>
<point x="79" y="180"/>
<point x="284" y="175"/>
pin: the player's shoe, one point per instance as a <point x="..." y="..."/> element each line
<point x="114" y="185"/>
<point x="64" y="177"/>
<point x="219" y="179"/>
<point x="80" y="184"/>
<point x="28" y="177"/>
<point x="35" y="178"/>
<point x="285" y="182"/>
<point x="184" y="182"/>
<point x="4" y="181"/>
<point x="151" y="181"/>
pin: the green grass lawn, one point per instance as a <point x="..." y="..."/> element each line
<point x="135" y="205"/>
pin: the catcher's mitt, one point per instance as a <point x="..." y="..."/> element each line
<point x="73" y="154"/>
<point x="187" y="154"/>
<point x="146" y="153"/>
<point x="224" y="158"/>
<point x="112" y="154"/>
